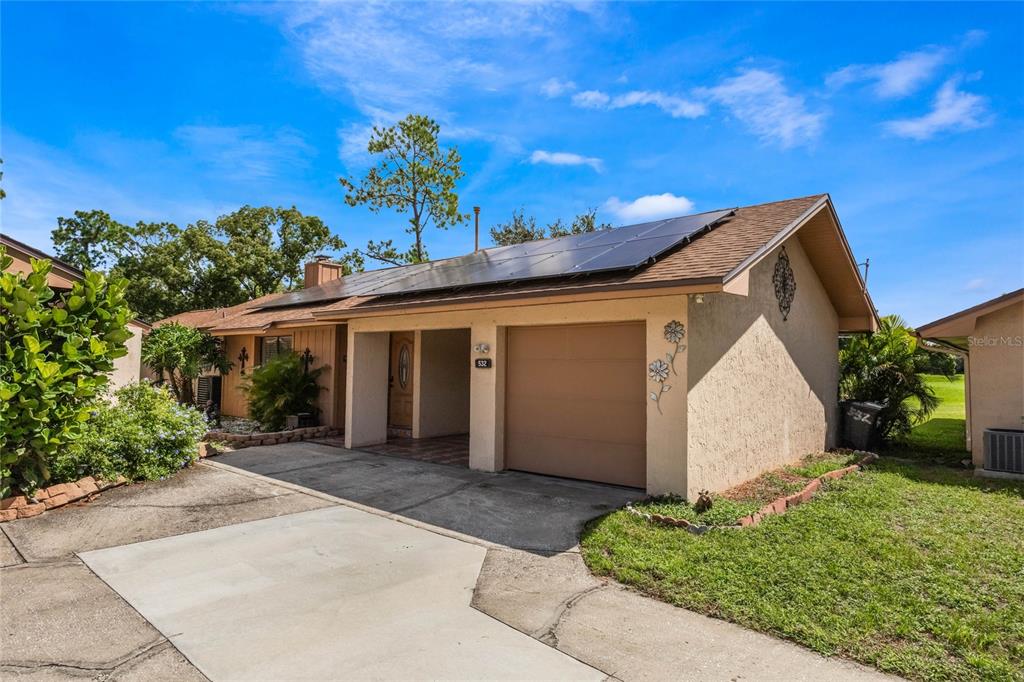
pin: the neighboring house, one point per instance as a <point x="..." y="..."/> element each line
<point x="990" y="337"/>
<point x="677" y="355"/>
<point x="127" y="369"/>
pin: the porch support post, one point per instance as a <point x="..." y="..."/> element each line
<point x="366" y="389"/>
<point x="666" y="417"/>
<point x="487" y="399"/>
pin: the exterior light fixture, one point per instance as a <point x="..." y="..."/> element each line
<point x="482" y="348"/>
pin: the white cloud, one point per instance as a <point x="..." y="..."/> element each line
<point x="245" y="152"/>
<point x="674" y="106"/>
<point x="898" y="78"/>
<point x="554" y="87"/>
<point x="760" y="100"/>
<point x="952" y="110"/>
<point x="565" y="159"/>
<point x="976" y="284"/>
<point x="649" y="207"/>
<point x="591" y="99"/>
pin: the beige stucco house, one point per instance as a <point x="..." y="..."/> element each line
<point x="128" y="368"/>
<point x="990" y="337"/>
<point x="673" y="356"/>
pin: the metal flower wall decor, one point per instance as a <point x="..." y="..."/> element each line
<point x="659" y="369"/>
<point x="785" y="284"/>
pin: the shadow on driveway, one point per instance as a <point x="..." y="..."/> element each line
<point x="524" y="511"/>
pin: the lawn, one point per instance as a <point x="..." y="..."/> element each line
<point x="913" y="568"/>
<point x="942" y="436"/>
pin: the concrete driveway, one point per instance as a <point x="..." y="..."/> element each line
<point x="512" y="509"/>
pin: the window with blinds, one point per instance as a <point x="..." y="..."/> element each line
<point x="273" y="346"/>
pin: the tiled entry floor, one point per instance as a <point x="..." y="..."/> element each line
<point x="443" y="450"/>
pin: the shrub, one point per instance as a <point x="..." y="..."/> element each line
<point x="881" y="368"/>
<point x="145" y="434"/>
<point x="279" y="388"/>
<point x="180" y="353"/>
<point x="56" y="353"/>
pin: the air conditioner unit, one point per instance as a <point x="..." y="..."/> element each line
<point x="1004" y="450"/>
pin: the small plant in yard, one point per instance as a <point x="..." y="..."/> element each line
<point x="144" y="434"/>
<point x="281" y="387"/>
<point x="57" y="351"/>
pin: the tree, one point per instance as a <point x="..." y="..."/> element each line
<point x="416" y="177"/>
<point x="242" y="255"/>
<point x="3" y="194"/>
<point x="90" y="240"/>
<point x="179" y="354"/>
<point x="583" y="223"/>
<point x="518" y="230"/>
<point x="56" y="354"/>
<point x="521" y="229"/>
<point x="881" y="367"/>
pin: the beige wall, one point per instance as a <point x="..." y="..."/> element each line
<point x="442" y="374"/>
<point x="762" y="391"/>
<point x="128" y="369"/>
<point x="367" y="360"/>
<point x="996" y="375"/>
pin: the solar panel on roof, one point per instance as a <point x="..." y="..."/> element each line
<point x="620" y="248"/>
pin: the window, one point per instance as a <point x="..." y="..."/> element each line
<point x="273" y="346"/>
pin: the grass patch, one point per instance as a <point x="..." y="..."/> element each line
<point x="915" y="569"/>
<point x="724" y="512"/>
<point x="941" y="439"/>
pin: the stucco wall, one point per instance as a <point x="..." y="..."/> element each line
<point x="996" y="375"/>
<point x="762" y="391"/>
<point x="128" y="369"/>
<point x="442" y="366"/>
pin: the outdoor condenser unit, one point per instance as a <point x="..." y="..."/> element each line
<point x="1004" y="450"/>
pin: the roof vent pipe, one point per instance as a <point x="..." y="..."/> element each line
<point x="476" y="229"/>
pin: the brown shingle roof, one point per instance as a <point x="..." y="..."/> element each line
<point x="710" y="258"/>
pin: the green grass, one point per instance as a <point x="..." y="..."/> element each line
<point x="915" y="569"/>
<point x="941" y="438"/>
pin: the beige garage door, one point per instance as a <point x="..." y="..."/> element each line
<point x="575" y="403"/>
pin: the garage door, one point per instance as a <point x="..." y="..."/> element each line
<point x="575" y="403"/>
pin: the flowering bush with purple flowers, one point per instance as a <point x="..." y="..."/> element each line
<point x="144" y="434"/>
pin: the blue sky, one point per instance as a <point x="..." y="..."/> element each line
<point x="910" y="115"/>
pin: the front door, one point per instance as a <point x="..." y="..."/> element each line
<point x="400" y="381"/>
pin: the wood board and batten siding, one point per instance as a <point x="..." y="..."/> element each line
<point x="325" y="343"/>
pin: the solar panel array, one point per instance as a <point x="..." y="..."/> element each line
<point x="620" y="248"/>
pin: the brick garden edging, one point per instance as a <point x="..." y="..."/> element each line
<point x="57" y="495"/>
<point x="248" y="440"/>
<point x="776" y="507"/>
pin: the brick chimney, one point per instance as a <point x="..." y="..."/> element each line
<point x="322" y="269"/>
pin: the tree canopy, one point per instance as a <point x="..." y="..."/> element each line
<point x="415" y="177"/>
<point x="249" y="253"/>
<point x="521" y="228"/>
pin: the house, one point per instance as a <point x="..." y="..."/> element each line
<point x="128" y="368"/>
<point x="676" y="355"/>
<point x="990" y="337"/>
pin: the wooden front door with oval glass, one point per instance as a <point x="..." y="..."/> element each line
<point x="400" y="380"/>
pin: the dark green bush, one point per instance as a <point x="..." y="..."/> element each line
<point x="144" y="434"/>
<point x="56" y="352"/>
<point x="279" y="388"/>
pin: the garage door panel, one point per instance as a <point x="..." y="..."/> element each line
<point x="576" y="402"/>
<point x="623" y="464"/>
<point x="610" y="421"/>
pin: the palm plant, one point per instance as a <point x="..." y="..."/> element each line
<point x="882" y="368"/>
<point x="281" y="387"/>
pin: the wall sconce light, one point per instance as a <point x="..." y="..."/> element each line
<point x="698" y="298"/>
<point x="482" y="348"/>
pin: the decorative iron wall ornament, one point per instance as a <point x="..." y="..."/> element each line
<point x="307" y="360"/>
<point x="659" y="369"/>
<point x="243" y="355"/>
<point x="785" y="284"/>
